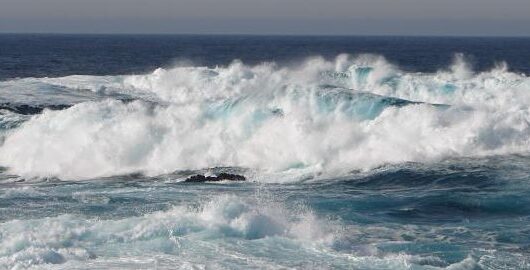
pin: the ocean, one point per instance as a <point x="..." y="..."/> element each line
<point x="357" y="152"/>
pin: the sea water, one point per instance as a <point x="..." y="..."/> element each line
<point x="359" y="152"/>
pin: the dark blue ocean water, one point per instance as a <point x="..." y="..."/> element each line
<point x="60" y="55"/>
<point x="359" y="152"/>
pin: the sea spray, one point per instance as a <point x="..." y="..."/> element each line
<point x="326" y="117"/>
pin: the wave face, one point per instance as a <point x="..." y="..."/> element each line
<point x="353" y="162"/>
<point x="69" y="239"/>
<point x="223" y="233"/>
<point x="318" y="117"/>
<point x="413" y="216"/>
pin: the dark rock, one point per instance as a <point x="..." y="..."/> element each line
<point x="199" y="178"/>
<point x="30" y="109"/>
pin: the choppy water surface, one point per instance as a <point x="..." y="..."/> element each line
<point x="353" y="160"/>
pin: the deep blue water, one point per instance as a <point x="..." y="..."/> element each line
<point x="359" y="152"/>
<point x="59" y="55"/>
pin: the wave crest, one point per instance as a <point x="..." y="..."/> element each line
<point x="325" y="117"/>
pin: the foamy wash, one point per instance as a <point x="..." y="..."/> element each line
<point x="317" y="118"/>
<point x="350" y="163"/>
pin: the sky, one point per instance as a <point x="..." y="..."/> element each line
<point x="303" y="17"/>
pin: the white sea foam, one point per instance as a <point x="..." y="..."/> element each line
<point x="224" y="232"/>
<point x="326" y="117"/>
<point x="183" y="231"/>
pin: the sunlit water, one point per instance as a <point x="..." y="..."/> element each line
<point x="412" y="157"/>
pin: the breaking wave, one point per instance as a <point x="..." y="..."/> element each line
<point x="57" y="240"/>
<point x="319" y="117"/>
<point x="232" y="229"/>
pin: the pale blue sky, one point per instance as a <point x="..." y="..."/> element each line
<point x="350" y="17"/>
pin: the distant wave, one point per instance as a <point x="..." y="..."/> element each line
<point x="319" y="117"/>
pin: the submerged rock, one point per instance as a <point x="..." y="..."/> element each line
<point x="199" y="178"/>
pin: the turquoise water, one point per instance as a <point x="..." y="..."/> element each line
<point x="416" y="158"/>
<point x="465" y="214"/>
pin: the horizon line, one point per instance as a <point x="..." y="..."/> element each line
<point x="264" y="34"/>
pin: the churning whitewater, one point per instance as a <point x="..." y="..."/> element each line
<point x="394" y="160"/>
<point x="316" y="118"/>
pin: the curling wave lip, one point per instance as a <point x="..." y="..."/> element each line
<point x="304" y="119"/>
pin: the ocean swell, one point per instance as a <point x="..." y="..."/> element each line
<point x="319" y="117"/>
